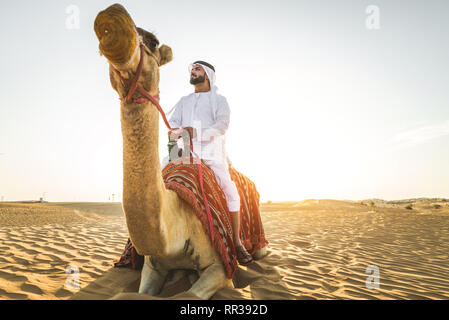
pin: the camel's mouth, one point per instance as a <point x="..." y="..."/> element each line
<point x="117" y="34"/>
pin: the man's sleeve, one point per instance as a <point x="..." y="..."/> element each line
<point x="176" y="118"/>
<point x="222" y="118"/>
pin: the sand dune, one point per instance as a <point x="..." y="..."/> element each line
<point x="34" y="258"/>
<point x="319" y="249"/>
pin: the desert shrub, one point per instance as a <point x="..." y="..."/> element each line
<point x="409" y="207"/>
<point x="437" y="206"/>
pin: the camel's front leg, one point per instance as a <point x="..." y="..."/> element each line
<point x="212" y="279"/>
<point x="151" y="279"/>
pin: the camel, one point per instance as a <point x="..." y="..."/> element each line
<point x="162" y="226"/>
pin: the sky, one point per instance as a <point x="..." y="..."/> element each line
<point x="329" y="99"/>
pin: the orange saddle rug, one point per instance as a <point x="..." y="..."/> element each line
<point x="184" y="180"/>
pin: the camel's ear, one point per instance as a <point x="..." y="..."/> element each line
<point x="166" y="54"/>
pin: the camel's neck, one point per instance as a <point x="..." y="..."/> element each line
<point x="143" y="187"/>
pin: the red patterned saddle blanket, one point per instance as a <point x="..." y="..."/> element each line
<point x="184" y="180"/>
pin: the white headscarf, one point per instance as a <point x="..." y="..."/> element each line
<point x="210" y="74"/>
<point x="213" y="88"/>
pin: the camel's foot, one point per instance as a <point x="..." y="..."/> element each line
<point x="212" y="279"/>
<point x="151" y="280"/>
<point x="260" y="253"/>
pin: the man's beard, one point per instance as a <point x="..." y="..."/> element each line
<point x="197" y="80"/>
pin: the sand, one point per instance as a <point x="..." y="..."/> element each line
<point x="319" y="249"/>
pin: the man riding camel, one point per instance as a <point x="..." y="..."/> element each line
<point x="205" y="115"/>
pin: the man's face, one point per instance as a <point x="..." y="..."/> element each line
<point x="197" y="75"/>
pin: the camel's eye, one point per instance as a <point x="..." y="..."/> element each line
<point x="154" y="44"/>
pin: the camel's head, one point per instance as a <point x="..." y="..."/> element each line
<point x="119" y="43"/>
